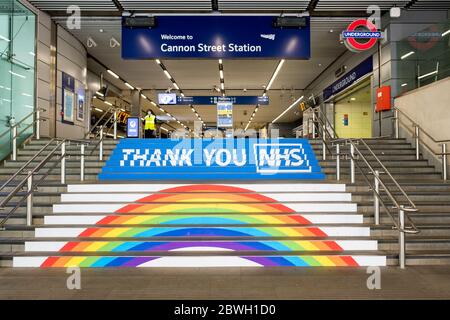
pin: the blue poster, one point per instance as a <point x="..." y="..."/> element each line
<point x="68" y="98"/>
<point x="216" y="37"/>
<point x="212" y="159"/>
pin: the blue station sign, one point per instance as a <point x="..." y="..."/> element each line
<point x="207" y="160"/>
<point x="349" y="78"/>
<point x="213" y="100"/>
<point x="216" y="37"/>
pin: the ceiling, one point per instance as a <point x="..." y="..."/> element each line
<point x="101" y="21"/>
<point x="198" y="77"/>
<point x="234" y="5"/>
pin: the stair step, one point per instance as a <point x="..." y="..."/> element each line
<point x="201" y="261"/>
<point x="222" y="219"/>
<point x="168" y="231"/>
<point x="154" y="246"/>
<point x="209" y="207"/>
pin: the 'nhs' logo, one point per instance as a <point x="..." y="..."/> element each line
<point x="281" y="158"/>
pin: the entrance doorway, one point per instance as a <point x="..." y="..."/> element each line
<point x="353" y="112"/>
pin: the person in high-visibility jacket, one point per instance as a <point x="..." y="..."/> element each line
<point x="149" y="125"/>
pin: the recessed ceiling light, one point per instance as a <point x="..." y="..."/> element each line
<point x="353" y="99"/>
<point x="101" y="30"/>
<point x="407" y="55"/>
<point x="129" y="85"/>
<point x="113" y="74"/>
<point x="404" y="84"/>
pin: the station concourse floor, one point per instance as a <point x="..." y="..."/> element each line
<point x="414" y="282"/>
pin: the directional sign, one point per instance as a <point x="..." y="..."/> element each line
<point x="213" y="100"/>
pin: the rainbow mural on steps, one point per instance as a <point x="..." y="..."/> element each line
<point x="183" y="207"/>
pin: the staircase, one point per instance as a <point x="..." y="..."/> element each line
<point x="223" y="224"/>
<point x="423" y="184"/>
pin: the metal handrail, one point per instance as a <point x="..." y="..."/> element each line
<point x="415" y="124"/>
<point x="398" y="224"/>
<point x="25" y="165"/>
<point x="416" y="134"/>
<point x="32" y="172"/>
<point x="16" y="124"/>
<point x="99" y="120"/>
<point x="102" y="137"/>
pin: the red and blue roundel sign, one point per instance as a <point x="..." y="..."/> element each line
<point x="353" y="35"/>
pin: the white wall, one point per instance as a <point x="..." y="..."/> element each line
<point x="429" y="106"/>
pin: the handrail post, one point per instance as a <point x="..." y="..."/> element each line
<point x="30" y="199"/>
<point x="376" y="200"/>
<point x="63" y="163"/>
<point x="38" y="124"/>
<point x="416" y="138"/>
<point x="401" y="240"/>
<point x="444" y="161"/>
<point x="338" y="162"/>
<point x="352" y="163"/>
<point x="82" y="163"/>
<point x="101" y="145"/>
<point x="314" y="125"/>
<point x="397" y="124"/>
<point x="324" y="147"/>
<point x="14" y="143"/>
<point x="115" y="124"/>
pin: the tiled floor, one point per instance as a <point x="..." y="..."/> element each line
<point x="230" y="283"/>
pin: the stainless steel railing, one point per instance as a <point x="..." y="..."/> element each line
<point x="14" y="128"/>
<point x="58" y="151"/>
<point x="29" y="181"/>
<point x="417" y="132"/>
<point x="403" y="222"/>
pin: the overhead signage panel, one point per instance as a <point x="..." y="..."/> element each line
<point x="349" y="78"/>
<point x="213" y="100"/>
<point x="216" y="37"/>
<point x="225" y="115"/>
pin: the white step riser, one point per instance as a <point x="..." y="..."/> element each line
<point x="315" y="219"/>
<point x="306" y="187"/>
<point x="297" y="207"/>
<point x="132" y="197"/>
<point x="212" y="261"/>
<point x="74" y="232"/>
<point x="55" y="246"/>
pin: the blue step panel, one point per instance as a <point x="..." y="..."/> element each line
<point x="206" y="159"/>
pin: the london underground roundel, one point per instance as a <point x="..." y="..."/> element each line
<point x="353" y="35"/>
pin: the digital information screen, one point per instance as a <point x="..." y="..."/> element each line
<point x="167" y="98"/>
<point x="133" y="127"/>
<point x="225" y="115"/>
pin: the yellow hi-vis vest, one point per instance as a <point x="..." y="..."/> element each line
<point x="149" y="122"/>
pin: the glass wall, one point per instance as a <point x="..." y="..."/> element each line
<point x="17" y="71"/>
<point x="423" y="56"/>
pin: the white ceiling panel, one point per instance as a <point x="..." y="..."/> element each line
<point x="85" y="5"/>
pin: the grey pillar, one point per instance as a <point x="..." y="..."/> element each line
<point x="136" y="106"/>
